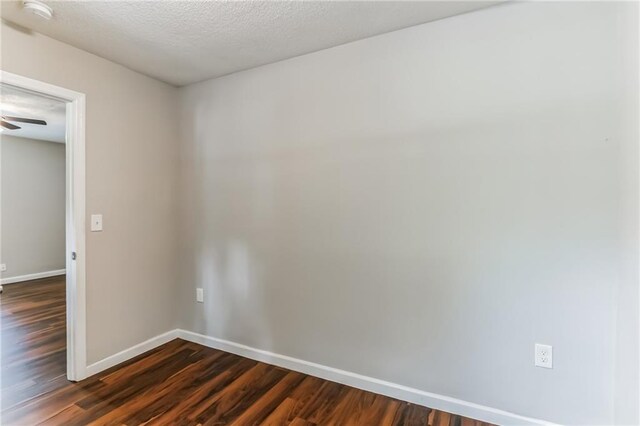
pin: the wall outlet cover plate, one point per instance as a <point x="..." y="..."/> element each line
<point x="544" y="356"/>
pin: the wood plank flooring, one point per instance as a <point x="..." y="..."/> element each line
<point x="179" y="383"/>
<point x="33" y="340"/>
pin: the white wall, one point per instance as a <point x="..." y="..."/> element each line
<point x="423" y="206"/>
<point x="131" y="173"/>
<point x="32" y="174"/>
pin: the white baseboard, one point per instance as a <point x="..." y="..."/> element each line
<point x="405" y="393"/>
<point x="393" y="390"/>
<point x="131" y="352"/>
<point x="29" y="277"/>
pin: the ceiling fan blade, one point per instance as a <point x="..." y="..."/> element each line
<point x="9" y="126"/>
<point x="25" y="120"/>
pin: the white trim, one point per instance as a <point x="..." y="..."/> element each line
<point x="405" y="393"/>
<point x="75" y="214"/>
<point x="131" y="352"/>
<point x="393" y="390"/>
<point x="29" y="277"/>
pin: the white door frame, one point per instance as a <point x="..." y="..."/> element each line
<point x="75" y="215"/>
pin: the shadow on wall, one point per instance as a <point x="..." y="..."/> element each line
<point x="229" y="272"/>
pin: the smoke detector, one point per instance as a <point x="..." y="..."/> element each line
<point x="38" y="8"/>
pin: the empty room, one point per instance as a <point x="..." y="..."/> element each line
<point x="319" y="213"/>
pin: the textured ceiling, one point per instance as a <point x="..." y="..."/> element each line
<point x="20" y="103"/>
<point x="184" y="42"/>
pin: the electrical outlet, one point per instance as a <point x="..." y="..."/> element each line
<point x="544" y="356"/>
<point x="3" y="267"/>
<point x="199" y="295"/>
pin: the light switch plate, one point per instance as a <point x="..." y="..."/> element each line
<point x="96" y="222"/>
<point x="199" y="295"/>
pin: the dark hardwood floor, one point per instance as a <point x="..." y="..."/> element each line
<point x="179" y="383"/>
<point x="33" y="340"/>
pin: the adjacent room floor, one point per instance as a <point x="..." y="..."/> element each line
<point x="178" y="383"/>
<point x="34" y="357"/>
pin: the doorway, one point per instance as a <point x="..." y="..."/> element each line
<point x="74" y="215"/>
